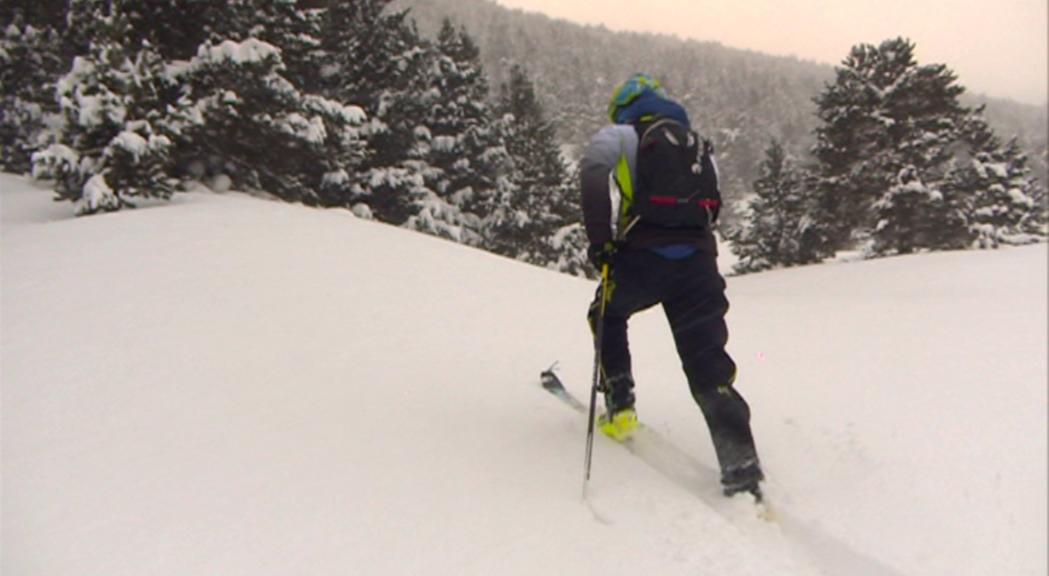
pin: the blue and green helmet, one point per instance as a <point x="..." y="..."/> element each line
<point x="630" y="90"/>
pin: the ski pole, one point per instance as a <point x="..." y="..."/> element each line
<point x="599" y="333"/>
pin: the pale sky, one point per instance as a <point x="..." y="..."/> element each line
<point x="996" y="47"/>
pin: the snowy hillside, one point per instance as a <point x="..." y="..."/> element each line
<point x="227" y="385"/>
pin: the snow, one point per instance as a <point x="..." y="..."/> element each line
<point x="353" y="115"/>
<point x="133" y="143"/>
<point x="422" y="133"/>
<point x="175" y="70"/>
<point x="363" y="211"/>
<point x="220" y="183"/>
<point x="249" y="51"/>
<point x="309" y="129"/>
<point x="97" y="195"/>
<point x="92" y="109"/>
<point x="337" y="178"/>
<point x="1000" y="169"/>
<point x="444" y="143"/>
<point x="558" y="240"/>
<point x="228" y="385"/>
<point x="53" y="159"/>
<point x="1019" y="198"/>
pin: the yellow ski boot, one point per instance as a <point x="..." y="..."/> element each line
<point x="620" y="427"/>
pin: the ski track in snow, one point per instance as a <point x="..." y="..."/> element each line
<point x="826" y="552"/>
<point x="829" y="553"/>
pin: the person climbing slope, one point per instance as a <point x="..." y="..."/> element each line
<point x="650" y="198"/>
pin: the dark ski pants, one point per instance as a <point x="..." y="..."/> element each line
<point x="692" y="293"/>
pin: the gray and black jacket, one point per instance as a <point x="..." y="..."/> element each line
<point x="608" y="166"/>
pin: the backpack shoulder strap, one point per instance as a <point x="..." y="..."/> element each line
<point x="643" y="130"/>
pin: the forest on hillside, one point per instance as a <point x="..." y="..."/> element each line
<point x="463" y="119"/>
<point x="741" y="99"/>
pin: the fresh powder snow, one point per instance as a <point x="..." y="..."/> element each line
<point x="228" y="385"/>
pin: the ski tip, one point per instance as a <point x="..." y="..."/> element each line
<point x="549" y="380"/>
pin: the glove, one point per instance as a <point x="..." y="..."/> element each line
<point x="601" y="254"/>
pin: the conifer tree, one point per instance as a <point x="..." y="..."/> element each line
<point x="538" y="203"/>
<point x="30" y="61"/>
<point x="175" y="28"/>
<point x="113" y="146"/>
<point x="471" y="156"/>
<point x="999" y="197"/>
<point x="375" y="58"/>
<point x="567" y="246"/>
<point x="270" y="136"/>
<point x="131" y="116"/>
<point x="286" y="24"/>
<point x="777" y="228"/>
<point x="463" y="150"/>
<point x="912" y="214"/>
<point x="884" y="115"/>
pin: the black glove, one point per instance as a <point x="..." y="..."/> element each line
<point x="601" y="254"/>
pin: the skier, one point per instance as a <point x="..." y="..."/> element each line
<point x="655" y="259"/>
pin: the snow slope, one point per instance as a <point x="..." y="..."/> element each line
<point x="226" y="385"/>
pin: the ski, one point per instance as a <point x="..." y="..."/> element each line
<point x="661" y="454"/>
<point x="552" y="384"/>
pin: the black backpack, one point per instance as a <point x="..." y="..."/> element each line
<point x="676" y="181"/>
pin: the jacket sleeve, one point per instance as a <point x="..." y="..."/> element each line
<point x="595" y="168"/>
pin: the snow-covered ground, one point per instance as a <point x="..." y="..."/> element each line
<point x="227" y="385"/>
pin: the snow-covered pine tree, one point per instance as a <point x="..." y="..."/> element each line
<point x="177" y="28"/>
<point x="1024" y="196"/>
<point x="883" y="114"/>
<point x="79" y="32"/>
<point x="237" y="106"/>
<point x="537" y="205"/>
<point x="375" y="57"/>
<point x="1037" y="220"/>
<point x="568" y="243"/>
<point x="180" y="27"/>
<point x="289" y="25"/>
<point x="112" y="146"/>
<point x="461" y="110"/>
<point x="913" y="215"/>
<point x="30" y="61"/>
<point x="462" y="147"/>
<point x="999" y="197"/>
<point x="777" y="226"/>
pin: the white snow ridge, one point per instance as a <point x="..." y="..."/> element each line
<point x="227" y="385"/>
